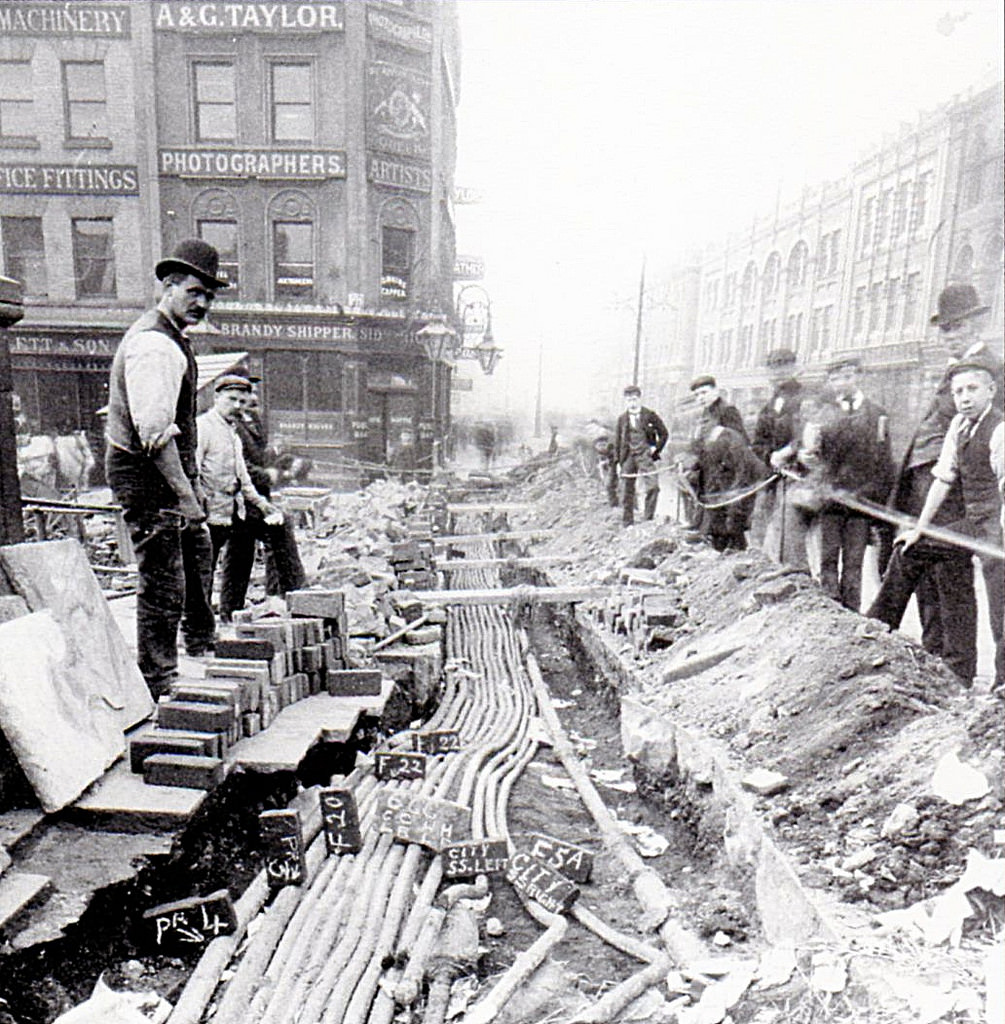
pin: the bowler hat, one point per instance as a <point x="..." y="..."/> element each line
<point x="193" y="256"/>
<point x="633" y="389"/>
<point x="705" y="381"/>
<point x="780" y="357"/>
<point x="841" y="362"/>
<point x="974" y="363"/>
<point x="232" y="382"/>
<point x="957" y="302"/>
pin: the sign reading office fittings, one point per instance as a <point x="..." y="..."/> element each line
<point x="68" y="179"/>
<point x="69" y="19"/>
<point x="383" y="170"/>
<point x="288" y="16"/>
<point x="298" y="164"/>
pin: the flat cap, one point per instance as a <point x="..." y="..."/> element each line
<point x="704" y="381"/>
<point x="633" y="389"/>
<point x="232" y="382"/>
<point x="780" y="357"/>
<point x="842" y="362"/>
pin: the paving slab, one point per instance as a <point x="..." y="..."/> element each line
<point x="19" y="891"/>
<point x="16" y="826"/>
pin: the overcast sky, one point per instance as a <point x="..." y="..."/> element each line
<point x="602" y="129"/>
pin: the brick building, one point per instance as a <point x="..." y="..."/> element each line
<point x="856" y="265"/>
<point x="312" y="142"/>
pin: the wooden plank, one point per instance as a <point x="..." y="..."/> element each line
<point x="495" y="506"/>
<point x="489" y="563"/>
<point x="472" y="538"/>
<point x="294" y="731"/>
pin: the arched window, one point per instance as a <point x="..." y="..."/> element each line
<point x="772" y="275"/>
<point x="989" y="275"/>
<point x="963" y="266"/>
<point x="974" y="175"/>
<point x="749" y="285"/>
<point x="214" y="213"/>
<point x="292" y="220"/>
<point x="799" y="259"/>
<point x="399" y="229"/>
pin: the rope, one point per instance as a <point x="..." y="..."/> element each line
<point x="683" y="484"/>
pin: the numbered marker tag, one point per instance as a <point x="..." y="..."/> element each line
<point x="475" y="857"/>
<point x="282" y="847"/>
<point x="340" y="819"/>
<point x="187" y="924"/>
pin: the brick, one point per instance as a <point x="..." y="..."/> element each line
<point x="253" y="649"/>
<point x="321" y="604"/>
<point x="272" y="629"/>
<point x="202" y="693"/>
<point x="189" y="772"/>
<point x="145" y="746"/>
<point x="660" y="610"/>
<point x="362" y="682"/>
<point x="251" y="723"/>
<point x="174" y="714"/>
<point x="312" y="658"/>
<point x="210" y="741"/>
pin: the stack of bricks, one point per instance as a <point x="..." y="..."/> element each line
<point x="412" y="560"/>
<point x="271" y="663"/>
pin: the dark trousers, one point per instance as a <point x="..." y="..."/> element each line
<point x="943" y="580"/>
<point x="200" y="547"/>
<point x="843" y="540"/>
<point x="284" y="570"/>
<point x="610" y="470"/>
<point x="639" y="469"/>
<point x="150" y="510"/>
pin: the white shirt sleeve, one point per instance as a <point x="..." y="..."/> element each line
<point x="946" y="467"/>
<point x="997" y="447"/>
<point x="154" y="369"/>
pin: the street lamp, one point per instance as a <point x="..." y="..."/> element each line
<point x="438" y="341"/>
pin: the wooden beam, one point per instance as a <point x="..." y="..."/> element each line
<point x="507" y="595"/>
<point x="471" y="538"/>
<point x="489" y="563"/>
<point x="499" y="506"/>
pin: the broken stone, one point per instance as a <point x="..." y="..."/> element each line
<point x="774" y="592"/>
<point x="765" y="782"/>
<point x="900" y="819"/>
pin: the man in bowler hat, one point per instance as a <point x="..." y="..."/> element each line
<point x="639" y="438"/>
<point x="944" y="590"/>
<point x="150" y="459"/>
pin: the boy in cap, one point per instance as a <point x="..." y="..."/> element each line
<point x="150" y="458"/>
<point x="853" y="448"/>
<point x="639" y="438"/>
<point x="971" y="457"/>
<point x="715" y="410"/>
<point x="944" y="591"/>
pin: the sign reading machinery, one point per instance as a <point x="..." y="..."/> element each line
<point x="289" y="16"/>
<point x="70" y="19"/>
<point x="252" y="163"/>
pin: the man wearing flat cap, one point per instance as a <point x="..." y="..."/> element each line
<point x="715" y="410"/>
<point x="229" y="491"/>
<point x="776" y="444"/>
<point x="947" y="606"/>
<point x="639" y="437"/>
<point x="150" y="458"/>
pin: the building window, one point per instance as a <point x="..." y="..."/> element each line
<point x="749" y="285"/>
<point x="798" y="260"/>
<point x="222" y="235"/>
<point x="875" y="305"/>
<point x="93" y="260"/>
<point x="793" y="330"/>
<point x="912" y="296"/>
<point x="973" y="186"/>
<point x="215" y="92"/>
<point x="24" y="253"/>
<point x="292" y="103"/>
<point x="868" y="221"/>
<point x="900" y="208"/>
<point x="963" y="267"/>
<point x="16" y="120"/>
<point x="85" y="96"/>
<point x="293" y="260"/>
<point x="882" y="216"/>
<point x="729" y="291"/>
<point x="746" y="353"/>
<point x="772" y="275"/>
<point x="858" y="311"/>
<point x="892" y="302"/>
<point x="829" y="254"/>
<point x="396" y="263"/>
<point x="919" y="208"/>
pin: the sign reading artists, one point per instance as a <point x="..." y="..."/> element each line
<point x="398" y="110"/>
<point x="383" y="170"/>
<point x="68" y="179"/>
<point x="225" y="16"/>
<point x="278" y="164"/>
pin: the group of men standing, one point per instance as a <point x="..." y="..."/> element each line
<point x="183" y="481"/>
<point x="822" y="456"/>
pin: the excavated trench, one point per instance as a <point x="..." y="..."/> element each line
<point x="336" y="963"/>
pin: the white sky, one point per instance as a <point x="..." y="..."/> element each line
<point x="602" y="129"/>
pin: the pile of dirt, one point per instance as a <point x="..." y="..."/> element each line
<point x="856" y="719"/>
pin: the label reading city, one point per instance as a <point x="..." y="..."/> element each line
<point x="424" y="820"/>
<point x="538" y="882"/>
<point x="475" y="857"/>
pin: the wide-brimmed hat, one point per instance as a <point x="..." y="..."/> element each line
<point x="958" y="302"/>
<point x="193" y="256"/>
<point x="780" y="357"/>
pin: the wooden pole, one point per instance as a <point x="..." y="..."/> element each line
<point x="472" y="538"/>
<point x="506" y="595"/>
<point x="638" y="324"/>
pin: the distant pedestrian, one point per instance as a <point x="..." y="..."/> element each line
<point x="776" y="444"/>
<point x="972" y="456"/>
<point x="854" y="451"/>
<point x="639" y="438"/>
<point x="150" y="459"/>
<point x="944" y="591"/>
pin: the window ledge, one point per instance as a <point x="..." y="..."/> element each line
<point x="87" y="144"/>
<point x="20" y="142"/>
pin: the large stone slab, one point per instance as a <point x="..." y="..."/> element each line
<point x="56" y="577"/>
<point x="63" y="734"/>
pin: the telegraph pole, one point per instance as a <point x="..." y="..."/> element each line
<point x="638" y="324"/>
<point x="11" y="522"/>
<point x="537" y="407"/>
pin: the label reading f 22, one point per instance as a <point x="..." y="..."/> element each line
<point x="183" y="924"/>
<point x="340" y="819"/>
<point x="394" y="765"/>
<point x="475" y="857"/>
<point x="572" y="861"/>
<point x="282" y="847"/>
<point x="440" y="741"/>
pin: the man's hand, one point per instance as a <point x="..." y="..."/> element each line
<point x="200" y="495"/>
<point x="780" y="457"/>
<point x="191" y="508"/>
<point x="273" y="516"/>
<point x="909" y="539"/>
